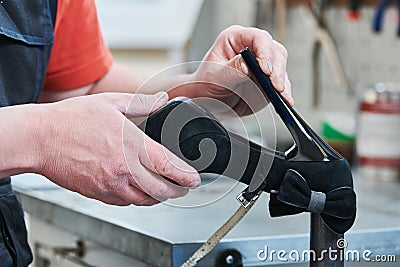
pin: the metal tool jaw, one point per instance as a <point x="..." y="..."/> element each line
<point x="297" y="180"/>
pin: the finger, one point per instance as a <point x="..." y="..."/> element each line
<point x="271" y="55"/>
<point x="262" y="47"/>
<point x="142" y="105"/>
<point x="137" y="105"/>
<point x="137" y="197"/>
<point x="287" y="94"/>
<point x="114" y="200"/>
<point x="237" y="70"/>
<point x="156" y="186"/>
<point x="278" y="75"/>
<point x="124" y="196"/>
<point x="159" y="159"/>
<point x="259" y="41"/>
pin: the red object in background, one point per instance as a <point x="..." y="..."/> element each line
<point x="353" y="15"/>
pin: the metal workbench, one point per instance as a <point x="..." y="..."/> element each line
<point x="166" y="235"/>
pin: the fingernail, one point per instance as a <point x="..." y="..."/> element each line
<point x="194" y="184"/>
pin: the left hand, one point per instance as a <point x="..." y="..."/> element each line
<point x="271" y="56"/>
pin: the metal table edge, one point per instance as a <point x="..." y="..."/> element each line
<point x="155" y="251"/>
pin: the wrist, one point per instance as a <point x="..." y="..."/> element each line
<point x="189" y="85"/>
<point x="181" y="85"/>
<point x="21" y="139"/>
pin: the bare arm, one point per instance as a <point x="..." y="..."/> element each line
<point x="123" y="80"/>
<point x="118" y="79"/>
<point x="271" y="55"/>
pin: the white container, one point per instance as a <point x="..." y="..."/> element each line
<point x="378" y="133"/>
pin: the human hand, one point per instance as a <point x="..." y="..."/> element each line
<point x="90" y="147"/>
<point x="271" y="56"/>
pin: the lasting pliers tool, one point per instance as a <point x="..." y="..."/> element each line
<point x="310" y="176"/>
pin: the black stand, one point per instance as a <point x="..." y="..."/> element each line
<point x="324" y="242"/>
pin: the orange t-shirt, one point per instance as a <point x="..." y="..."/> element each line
<point x="79" y="55"/>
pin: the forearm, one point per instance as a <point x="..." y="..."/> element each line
<point x="122" y="79"/>
<point x="19" y="143"/>
<point x="125" y="80"/>
<point x="118" y="79"/>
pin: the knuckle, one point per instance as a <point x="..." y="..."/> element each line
<point x="235" y="28"/>
<point x="116" y="178"/>
<point x="163" y="166"/>
<point x="266" y="34"/>
<point x="120" y="170"/>
<point x="104" y="187"/>
<point x="282" y="49"/>
<point x="112" y="186"/>
<point x="230" y="30"/>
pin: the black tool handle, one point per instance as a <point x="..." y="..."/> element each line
<point x="310" y="147"/>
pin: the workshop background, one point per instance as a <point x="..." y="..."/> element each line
<point x="329" y="84"/>
<point x="338" y="81"/>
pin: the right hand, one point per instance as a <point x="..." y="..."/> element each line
<point x="270" y="54"/>
<point x="89" y="146"/>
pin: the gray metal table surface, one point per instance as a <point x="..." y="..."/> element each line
<point x="167" y="234"/>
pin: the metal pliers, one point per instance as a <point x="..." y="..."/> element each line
<point x="310" y="176"/>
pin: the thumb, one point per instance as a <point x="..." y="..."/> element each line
<point x="142" y="105"/>
<point x="237" y="69"/>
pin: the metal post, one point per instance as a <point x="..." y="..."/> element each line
<point x="325" y="244"/>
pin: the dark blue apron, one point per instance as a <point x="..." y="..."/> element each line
<point x="26" y="37"/>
